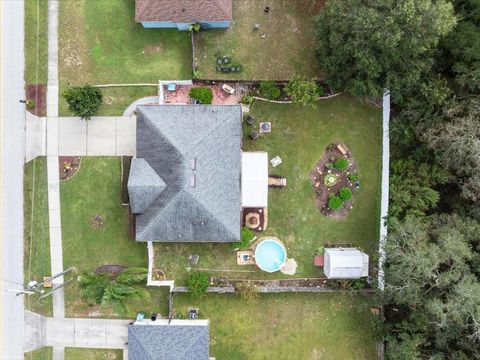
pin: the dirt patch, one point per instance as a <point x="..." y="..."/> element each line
<point x="111" y="269"/>
<point x="152" y="49"/>
<point x="340" y="179"/>
<point x="37" y="94"/>
<point x="68" y="166"/>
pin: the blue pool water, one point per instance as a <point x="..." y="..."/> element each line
<point x="270" y="255"/>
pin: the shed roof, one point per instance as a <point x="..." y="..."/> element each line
<point x="183" y="11"/>
<point x="344" y="263"/>
<point x="195" y="150"/>
<point x="182" y="339"/>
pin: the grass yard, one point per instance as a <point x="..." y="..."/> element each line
<point x="299" y="137"/>
<point x="286" y="326"/>
<point x="44" y="353"/>
<point x="95" y="190"/>
<point x="36" y="246"/>
<point x="100" y="43"/>
<point x="286" y="49"/>
<point x="36" y="40"/>
<point x="93" y="354"/>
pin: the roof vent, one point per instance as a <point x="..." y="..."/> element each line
<point x="194" y="163"/>
<point x="192" y="181"/>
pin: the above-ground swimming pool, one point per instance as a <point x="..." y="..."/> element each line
<point x="270" y="255"/>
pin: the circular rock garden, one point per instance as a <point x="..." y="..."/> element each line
<point x="335" y="181"/>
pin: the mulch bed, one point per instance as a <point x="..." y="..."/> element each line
<point x="38" y="94"/>
<point x="261" y="216"/>
<point x="321" y="190"/>
<point x="68" y="166"/>
<point x="112" y="269"/>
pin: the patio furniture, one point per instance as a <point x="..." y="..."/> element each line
<point x="277" y="181"/>
<point x="192" y="314"/>
<point x="245" y="257"/>
<point x="256" y="26"/>
<point x="219" y="68"/>
<point x="265" y="127"/>
<point x="193" y="259"/>
<point x="233" y="68"/>
<point x="253" y="135"/>
<point x="250" y="120"/>
<point x="228" y="89"/>
<point x="226" y="60"/>
<point x="140" y="316"/>
<point x="219" y="61"/>
<point x="342" y="149"/>
<point x="277" y="160"/>
<point x="226" y="70"/>
<point x="318" y="261"/>
<point x="172" y="87"/>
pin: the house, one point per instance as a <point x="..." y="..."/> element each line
<point x="185" y="185"/>
<point x="345" y="263"/>
<point x="168" y="340"/>
<point x="180" y="14"/>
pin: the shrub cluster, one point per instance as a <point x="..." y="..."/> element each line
<point x="341" y="164"/>
<point x="335" y="202"/>
<point x="269" y="90"/>
<point x="202" y="94"/>
<point x="198" y="283"/>
<point x="345" y="194"/>
<point x="83" y="101"/>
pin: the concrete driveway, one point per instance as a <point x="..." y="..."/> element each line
<point x="100" y="136"/>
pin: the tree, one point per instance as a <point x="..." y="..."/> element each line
<point x="202" y="94"/>
<point x="456" y="142"/>
<point x="303" y="91"/>
<point x="365" y="46"/>
<point x="83" y="101"/>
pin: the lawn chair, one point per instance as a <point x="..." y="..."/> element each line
<point x="250" y="120"/>
<point x="253" y="135"/>
<point x="238" y="68"/>
<point x="226" y="70"/>
<point x="219" y="61"/>
<point x="226" y="60"/>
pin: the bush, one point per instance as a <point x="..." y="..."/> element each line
<point x="246" y="236"/>
<point x="83" y="101"/>
<point x="269" y="90"/>
<point x="352" y="177"/>
<point x="247" y="100"/>
<point x="30" y="104"/>
<point x="303" y="91"/>
<point x="335" y="202"/>
<point x="202" y="94"/>
<point x="345" y="194"/>
<point x="341" y="164"/>
<point x="198" y="283"/>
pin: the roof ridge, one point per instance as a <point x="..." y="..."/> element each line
<point x="199" y="335"/>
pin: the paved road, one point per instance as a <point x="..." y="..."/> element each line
<point x="12" y="150"/>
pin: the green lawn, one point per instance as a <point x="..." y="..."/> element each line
<point x="95" y="190"/>
<point x="36" y="255"/>
<point x="286" y="326"/>
<point x="286" y="49"/>
<point x="36" y="39"/>
<point x="299" y="137"/>
<point x="44" y="353"/>
<point x="93" y="354"/>
<point x="100" y="43"/>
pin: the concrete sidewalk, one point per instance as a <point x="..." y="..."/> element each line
<point x="75" y="332"/>
<point x="99" y="136"/>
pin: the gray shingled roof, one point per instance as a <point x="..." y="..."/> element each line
<point x="183" y="11"/>
<point x="144" y="185"/>
<point x="168" y="342"/>
<point x="169" y="137"/>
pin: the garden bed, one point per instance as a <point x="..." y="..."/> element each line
<point x="37" y="95"/>
<point x="68" y="166"/>
<point x="331" y="180"/>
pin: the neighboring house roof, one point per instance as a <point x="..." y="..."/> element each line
<point x="183" y="11"/>
<point x="345" y="263"/>
<point x="191" y="155"/>
<point x="181" y="340"/>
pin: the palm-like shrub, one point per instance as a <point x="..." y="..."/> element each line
<point x="198" y="283"/>
<point x="345" y="193"/>
<point x="113" y="290"/>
